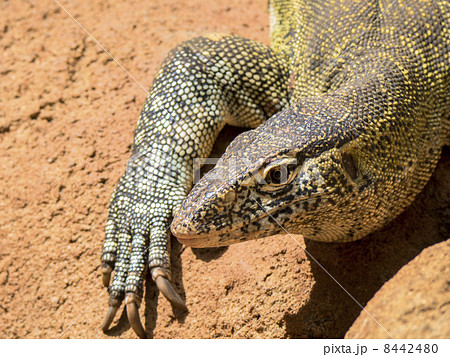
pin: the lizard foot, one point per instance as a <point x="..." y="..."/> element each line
<point x="137" y="238"/>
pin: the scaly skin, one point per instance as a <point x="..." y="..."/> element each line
<point x="357" y="100"/>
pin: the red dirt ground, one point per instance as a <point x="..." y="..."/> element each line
<point x="67" y="115"/>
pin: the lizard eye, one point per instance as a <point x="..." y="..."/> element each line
<point x="279" y="173"/>
<point x="275" y="176"/>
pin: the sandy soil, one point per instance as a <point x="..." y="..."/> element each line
<point x="67" y="115"/>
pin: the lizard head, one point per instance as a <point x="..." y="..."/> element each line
<point x="300" y="171"/>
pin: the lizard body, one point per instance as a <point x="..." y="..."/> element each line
<point x="350" y="108"/>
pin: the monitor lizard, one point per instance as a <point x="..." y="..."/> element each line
<point x="349" y="109"/>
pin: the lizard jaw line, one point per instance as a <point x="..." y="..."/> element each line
<point x="213" y="238"/>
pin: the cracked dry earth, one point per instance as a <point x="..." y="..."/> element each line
<point x="67" y="114"/>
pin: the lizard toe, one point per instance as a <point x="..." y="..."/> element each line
<point x="106" y="274"/>
<point x="109" y="251"/>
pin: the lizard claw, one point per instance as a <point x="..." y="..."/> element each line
<point x="106" y="274"/>
<point x="168" y="291"/>
<point x="113" y="307"/>
<point x="132" y="301"/>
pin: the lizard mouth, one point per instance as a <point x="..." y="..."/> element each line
<point x="204" y="242"/>
<point x="188" y="235"/>
<point x="220" y="239"/>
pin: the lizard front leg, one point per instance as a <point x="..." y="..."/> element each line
<point x="202" y="85"/>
